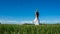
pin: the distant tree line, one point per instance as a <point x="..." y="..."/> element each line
<point x="0" y="22"/>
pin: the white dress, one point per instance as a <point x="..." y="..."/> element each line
<point x="36" y="21"/>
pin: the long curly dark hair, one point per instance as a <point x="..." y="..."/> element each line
<point x="37" y="14"/>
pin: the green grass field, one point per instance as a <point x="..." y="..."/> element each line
<point x="29" y="29"/>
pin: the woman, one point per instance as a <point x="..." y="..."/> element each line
<point x="36" y="20"/>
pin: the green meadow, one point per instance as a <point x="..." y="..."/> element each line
<point x="29" y="29"/>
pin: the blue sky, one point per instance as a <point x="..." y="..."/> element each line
<point x="24" y="10"/>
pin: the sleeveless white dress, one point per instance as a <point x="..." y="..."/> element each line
<point x="36" y="21"/>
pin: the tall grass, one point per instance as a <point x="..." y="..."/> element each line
<point x="29" y="29"/>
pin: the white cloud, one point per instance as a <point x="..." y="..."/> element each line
<point x="9" y="22"/>
<point x="26" y="22"/>
<point x="22" y="22"/>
